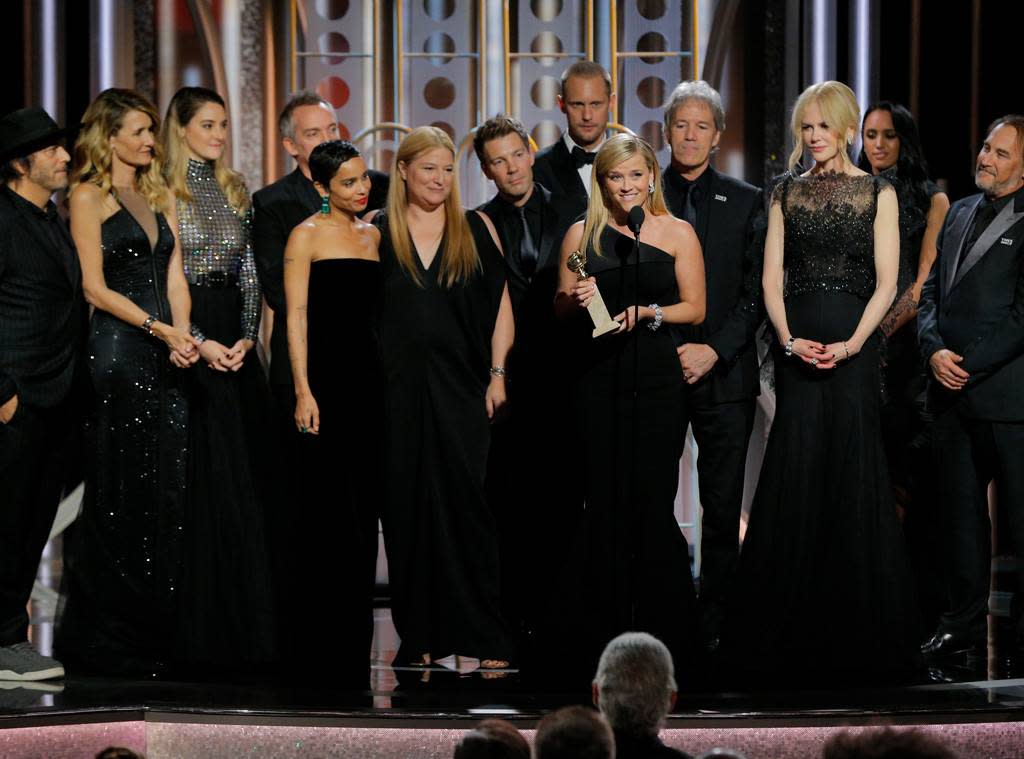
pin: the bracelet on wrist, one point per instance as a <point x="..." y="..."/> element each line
<point x="658" y="315"/>
<point x="497" y="371"/>
<point x="147" y="325"/>
<point x="789" y="345"/>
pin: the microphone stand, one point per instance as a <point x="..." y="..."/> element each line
<point x="636" y="394"/>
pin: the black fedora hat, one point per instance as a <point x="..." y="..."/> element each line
<point x="26" y="131"/>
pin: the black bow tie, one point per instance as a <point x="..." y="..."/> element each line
<point x="581" y="157"/>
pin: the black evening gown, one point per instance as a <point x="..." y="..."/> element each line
<point x="335" y="516"/>
<point x="439" y="532"/>
<point x="825" y="591"/>
<point x="123" y="555"/>
<point x="629" y="566"/>
<point x="226" y="612"/>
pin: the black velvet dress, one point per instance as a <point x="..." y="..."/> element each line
<point x="825" y="587"/>
<point x="333" y="523"/>
<point x="440" y="533"/>
<point x="123" y="555"/>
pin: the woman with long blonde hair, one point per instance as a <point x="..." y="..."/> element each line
<point x="226" y="612"/>
<point x="445" y="329"/>
<point x="123" y="562"/>
<point x="824" y="590"/>
<point x="629" y="569"/>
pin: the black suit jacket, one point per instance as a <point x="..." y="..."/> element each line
<point x="42" y="311"/>
<point x="978" y="311"/>
<point x="537" y="329"/>
<point x="553" y="227"/>
<point x="277" y="209"/>
<point x="555" y="169"/>
<point x="731" y="238"/>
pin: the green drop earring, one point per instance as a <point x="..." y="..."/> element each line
<point x="325" y="206"/>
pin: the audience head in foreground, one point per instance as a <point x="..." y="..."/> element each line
<point x="493" y="739"/>
<point x="575" y="732"/>
<point x="885" y="744"/>
<point x="635" y="684"/>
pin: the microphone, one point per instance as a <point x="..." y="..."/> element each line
<point x="635" y="220"/>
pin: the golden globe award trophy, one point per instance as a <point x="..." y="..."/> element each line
<point x="603" y="322"/>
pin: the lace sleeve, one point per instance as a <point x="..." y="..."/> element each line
<point x="249" y="282"/>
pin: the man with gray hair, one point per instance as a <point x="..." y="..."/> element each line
<point x="718" y="358"/>
<point x="635" y="689"/>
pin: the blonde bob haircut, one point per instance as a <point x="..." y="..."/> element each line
<point x="839" y="109"/>
<point x="183" y="108"/>
<point x="613" y="152"/>
<point x="459" y="259"/>
<point x="93" y="155"/>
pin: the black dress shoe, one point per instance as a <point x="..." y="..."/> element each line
<point x="942" y="645"/>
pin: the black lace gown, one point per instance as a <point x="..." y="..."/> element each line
<point x="825" y="588"/>
<point x="440" y="534"/>
<point x="628" y="567"/>
<point x="123" y="555"/>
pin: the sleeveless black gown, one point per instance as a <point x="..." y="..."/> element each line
<point x="629" y="566"/>
<point x="334" y="518"/>
<point x="825" y="590"/>
<point x="440" y="533"/>
<point x="123" y="555"/>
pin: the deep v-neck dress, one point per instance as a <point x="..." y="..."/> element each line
<point x="439" y="532"/>
<point x="122" y="557"/>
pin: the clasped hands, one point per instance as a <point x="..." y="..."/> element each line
<point x="223" y="359"/>
<point x="821" y="355"/>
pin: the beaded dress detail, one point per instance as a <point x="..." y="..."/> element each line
<point x="217" y="245"/>
<point x="122" y="558"/>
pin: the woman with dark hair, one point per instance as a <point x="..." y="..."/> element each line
<point x="445" y="328"/>
<point x="122" y="571"/>
<point x="332" y="289"/>
<point x="892" y="148"/>
<point x="225" y="615"/>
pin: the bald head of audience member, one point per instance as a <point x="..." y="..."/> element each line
<point x="635" y="684"/>
<point x="493" y="739"/>
<point x="575" y="732"/>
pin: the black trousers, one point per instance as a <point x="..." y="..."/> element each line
<point x="969" y="454"/>
<point x="722" y="432"/>
<point x="33" y="462"/>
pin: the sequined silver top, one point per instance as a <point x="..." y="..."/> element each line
<point x="829" y="232"/>
<point x="214" y="238"/>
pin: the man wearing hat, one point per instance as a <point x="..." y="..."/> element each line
<point x="41" y="328"/>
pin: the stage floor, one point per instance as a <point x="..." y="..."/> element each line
<point x="409" y="712"/>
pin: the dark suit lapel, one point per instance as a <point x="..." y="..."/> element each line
<point x="717" y="207"/>
<point x="988" y="239"/>
<point x="68" y="263"/>
<point x="548" y="229"/>
<point x="959" y="230"/>
<point x="304" y="191"/>
<point x="568" y="172"/>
